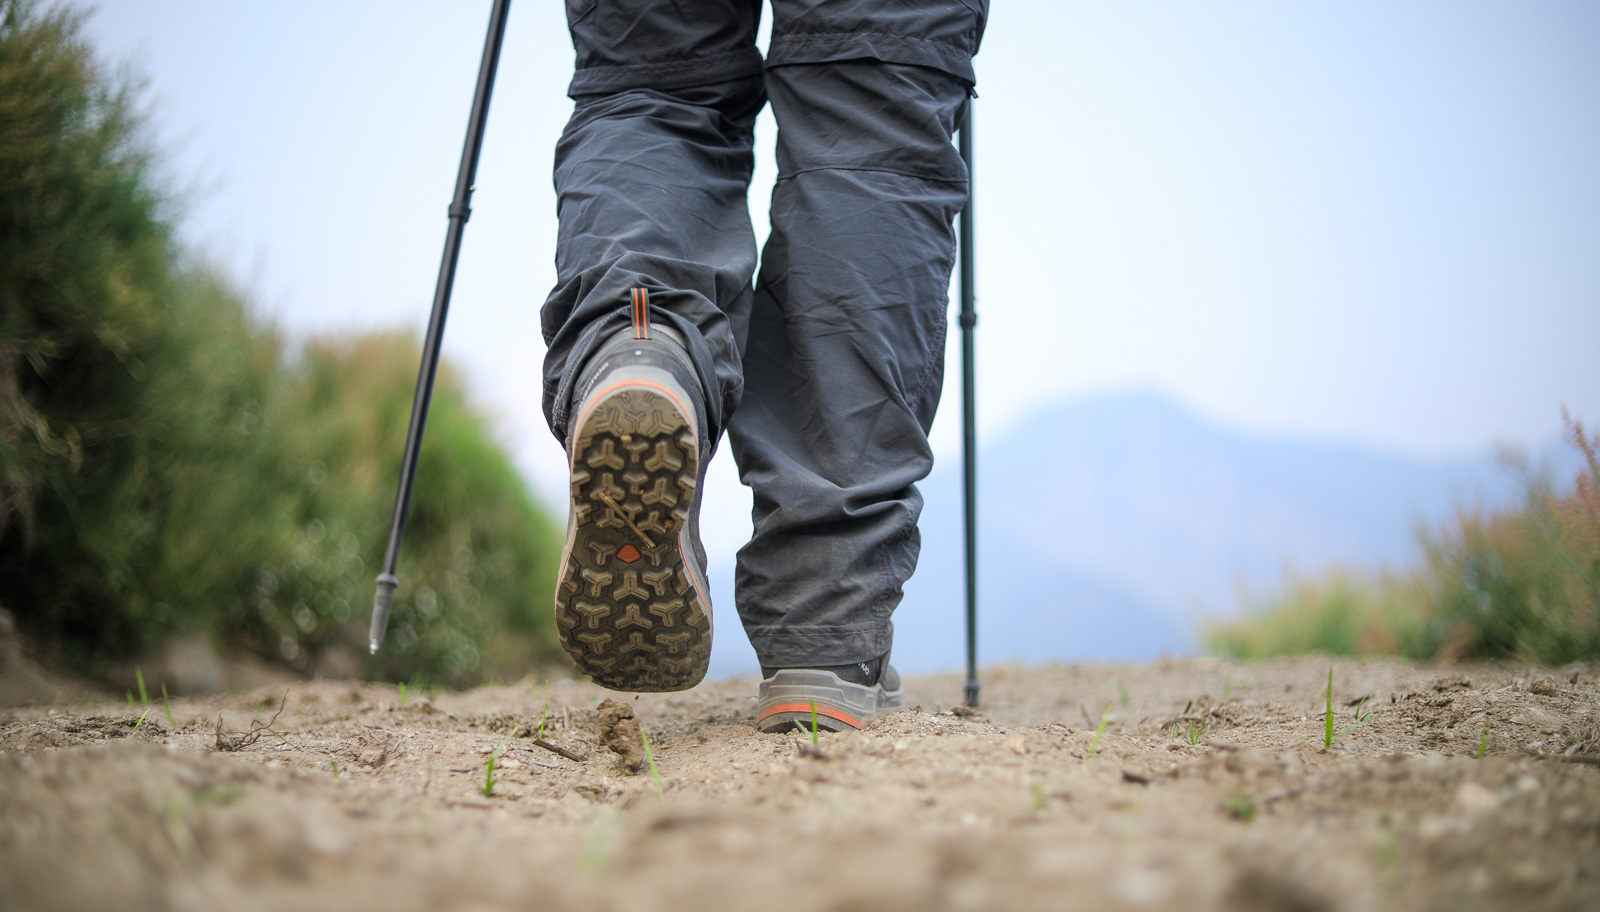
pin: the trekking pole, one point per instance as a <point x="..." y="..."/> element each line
<point x="969" y="414"/>
<point x="460" y="211"/>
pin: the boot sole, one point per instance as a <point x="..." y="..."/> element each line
<point x="788" y="696"/>
<point x="634" y="615"/>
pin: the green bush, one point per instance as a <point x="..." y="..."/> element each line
<point x="168" y="465"/>
<point x="1520" y="583"/>
<point x="84" y="266"/>
<point x="478" y="564"/>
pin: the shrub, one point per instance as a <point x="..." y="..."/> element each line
<point x="1518" y="583"/>
<point x="169" y="465"/>
<point x="84" y="268"/>
<point x="478" y="564"/>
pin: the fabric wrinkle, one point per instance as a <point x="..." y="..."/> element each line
<point x="822" y="367"/>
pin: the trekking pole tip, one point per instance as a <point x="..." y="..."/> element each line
<point x="382" y="601"/>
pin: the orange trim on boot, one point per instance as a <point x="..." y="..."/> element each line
<point x="828" y="711"/>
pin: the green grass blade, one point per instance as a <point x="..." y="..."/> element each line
<point x="1099" y="731"/>
<point x="814" y="723"/>
<point x="651" y="757"/>
<point x="1327" y="725"/>
<point x="168" y="702"/>
<point x="1242" y="807"/>
<point x="544" y="713"/>
<point x="144" y="698"/>
<point x="488" y="776"/>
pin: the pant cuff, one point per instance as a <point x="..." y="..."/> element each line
<point x="809" y="647"/>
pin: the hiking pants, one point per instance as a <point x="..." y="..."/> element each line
<point x="826" y="372"/>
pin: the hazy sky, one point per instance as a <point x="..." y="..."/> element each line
<point x="1375" y="222"/>
<point x="1370" y="221"/>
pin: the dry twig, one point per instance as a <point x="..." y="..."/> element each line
<point x="557" y="749"/>
<point x="236" y="740"/>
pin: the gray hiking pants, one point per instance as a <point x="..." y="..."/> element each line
<point x="826" y="373"/>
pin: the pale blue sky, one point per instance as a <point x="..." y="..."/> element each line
<point x="1375" y="222"/>
<point x="1371" y="222"/>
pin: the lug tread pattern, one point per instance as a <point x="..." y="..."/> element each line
<point x="638" y="626"/>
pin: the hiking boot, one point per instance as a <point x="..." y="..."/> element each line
<point x="632" y="605"/>
<point x="845" y="696"/>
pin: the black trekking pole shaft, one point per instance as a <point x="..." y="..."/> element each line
<point x="460" y="211"/>
<point x="969" y="414"/>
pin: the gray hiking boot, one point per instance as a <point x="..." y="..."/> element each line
<point x="632" y="605"/>
<point x="845" y="696"/>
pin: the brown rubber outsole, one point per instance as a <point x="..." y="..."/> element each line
<point x="631" y="604"/>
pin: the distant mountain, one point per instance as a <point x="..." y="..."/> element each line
<point x="1109" y="526"/>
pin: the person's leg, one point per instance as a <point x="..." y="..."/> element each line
<point x="654" y="259"/>
<point x="651" y="177"/>
<point x="845" y="350"/>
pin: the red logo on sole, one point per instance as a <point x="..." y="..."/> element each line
<point x="628" y="554"/>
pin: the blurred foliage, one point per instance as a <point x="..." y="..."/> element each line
<point x="1519" y="583"/>
<point x="84" y="263"/>
<point x="169" y="465"/>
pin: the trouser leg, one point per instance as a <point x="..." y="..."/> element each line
<point x="651" y="176"/>
<point x="844" y="359"/>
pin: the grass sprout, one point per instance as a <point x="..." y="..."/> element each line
<point x="489" y="781"/>
<point x="544" y="714"/>
<point x="1122" y="693"/>
<point x="814" y="724"/>
<point x="1483" y="741"/>
<point x="1327" y="718"/>
<point x="140" y="724"/>
<point x="1038" y="798"/>
<point x="403" y="699"/>
<point x="1361" y="717"/>
<point x="1099" y="732"/>
<point x="167" y="701"/>
<point x="1387" y="855"/>
<point x="1241" y="807"/>
<point x="332" y="766"/>
<point x="599" y="843"/>
<point x="651" y="757"/>
<point x="1329" y="734"/>
<point x="144" y="698"/>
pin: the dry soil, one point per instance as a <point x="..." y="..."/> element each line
<point x="1208" y="788"/>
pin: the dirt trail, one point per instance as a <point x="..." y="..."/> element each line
<point x="351" y="800"/>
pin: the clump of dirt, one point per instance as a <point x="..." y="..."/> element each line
<point x="619" y="732"/>
<point x="1198" y="784"/>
